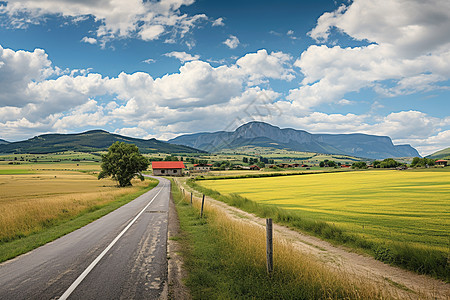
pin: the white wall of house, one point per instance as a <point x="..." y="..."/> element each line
<point x="168" y="172"/>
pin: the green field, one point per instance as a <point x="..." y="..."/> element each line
<point x="379" y="206"/>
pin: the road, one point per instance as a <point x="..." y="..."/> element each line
<point x="119" y="256"/>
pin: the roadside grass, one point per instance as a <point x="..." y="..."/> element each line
<point x="225" y="259"/>
<point x="28" y="224"/>
<point x="388" y="241"/>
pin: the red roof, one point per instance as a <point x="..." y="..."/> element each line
<point x="167" y="165"/>
<point x="441" y="160"/>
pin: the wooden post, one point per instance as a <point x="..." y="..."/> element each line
<point x="203" y="202"/>
<point x="191" y="198"/>
<point x="183" y="195"/>
<point x="269" y="246"/>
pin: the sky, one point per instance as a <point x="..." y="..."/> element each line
<point x="158" y="69"/>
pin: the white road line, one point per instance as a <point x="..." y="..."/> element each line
<point x="80" y="278"/>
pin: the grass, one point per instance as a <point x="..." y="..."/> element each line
<point x="225" y="259"/>
<point x="398" y="217"/>
<point x="41" y="206"/>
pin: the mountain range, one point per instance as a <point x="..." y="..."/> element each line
<point x="265" y="135"/>
<point x="89" y="141"/>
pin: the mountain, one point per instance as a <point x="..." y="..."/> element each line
<point x="441" y="154"/>
<point x="89" y="141"/>
<point x="3" y="142"/>
<point x="265" y="135"/>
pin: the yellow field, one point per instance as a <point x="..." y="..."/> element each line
<point x="44" y="194"/>
<point x="401" y="206"/>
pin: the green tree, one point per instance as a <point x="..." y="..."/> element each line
<point x="359" y="165"/>
<point x="390" y="163"/>
<point x="245" y="160"/>
<point x="123" y="162"/>
<point x="171" y="158"/>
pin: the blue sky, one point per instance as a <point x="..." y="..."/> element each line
<point x="164" y="68"/>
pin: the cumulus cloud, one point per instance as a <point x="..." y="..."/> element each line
<point x="182" y="56"/>
<point x="409" y="48"/>
<point x="232" y="42"/>
<point x="261" y="64"/>
<point x="218" y="22"/>
<point x="89" y="40"/>
<point x="147" y="20"/>
<point x="149" y="61"/>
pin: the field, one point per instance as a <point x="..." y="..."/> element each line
<point x="379" y="206"/>
<point x="35" y="197"/>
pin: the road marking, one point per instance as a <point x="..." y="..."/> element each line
<point x="80" y="278"/>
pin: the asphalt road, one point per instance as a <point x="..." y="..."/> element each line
<point x="119" y="256"/>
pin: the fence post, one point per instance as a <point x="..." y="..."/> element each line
<point x="203" y="202"/>
<point x="191" y="198"/>
<point x="183" y="194"/>
<point x="269" y="246"/>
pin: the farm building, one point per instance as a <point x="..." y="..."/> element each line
<point x="441" y="162"/>
<point x="168" y="168"/>
<point x="202" y="167"/>
<point x="254" y="167"/>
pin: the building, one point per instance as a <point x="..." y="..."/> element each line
<point x="254" y="167"/>
<point x="441" y="162"/>
<point x="202" y="167"/>
<point x="168" y="168"/>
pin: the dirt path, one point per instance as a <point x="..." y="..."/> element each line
<point x="406" y="284"/>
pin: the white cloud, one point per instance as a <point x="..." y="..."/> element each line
<point x="89" y="40"/>
<point x="151" y="32"/>
<point x="290" y="34"/>
<point x="18" y="69"/>
<point x="232" y="42"/>
<point x="218" y="22"/>
<point x="263" y="65"/>
<point x="410" y="48"/>
<point x="149" y="61"/>
<point x="147" y="20"/>
<point x="182" y="56"/>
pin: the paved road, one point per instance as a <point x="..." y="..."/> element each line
<point x="115" y="257"/>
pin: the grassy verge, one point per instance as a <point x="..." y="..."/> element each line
<point x="225" y="259"/>
<point x="420" y="260"/>
<point x="57" y="229"/>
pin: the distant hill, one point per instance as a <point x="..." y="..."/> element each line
<point x="89" y="141"/>
<point x="261" y="134"/>
<point x="441" y="154"/>
<point x="3" y="142"/>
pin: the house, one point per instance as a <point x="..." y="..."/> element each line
<point x="202" y="167"/>
<point x="254" y="167"/>
<point x="168" y="168"/>
<point x="441" y="162"/>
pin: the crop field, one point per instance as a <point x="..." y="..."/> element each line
<point x="380" y="206"/>
<point x="36" y="196"/>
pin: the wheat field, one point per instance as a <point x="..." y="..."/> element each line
<point x="410" y="207"/>
<point x="39" y="198"/>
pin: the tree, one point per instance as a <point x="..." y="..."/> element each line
<point x="359" y="165"/>
<point x="245" y="160"/>
<point x="389" y="163"/>
<point x="123" y="162"/>
<point x="422" y="162"/>
<point x="171" y="158"/>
